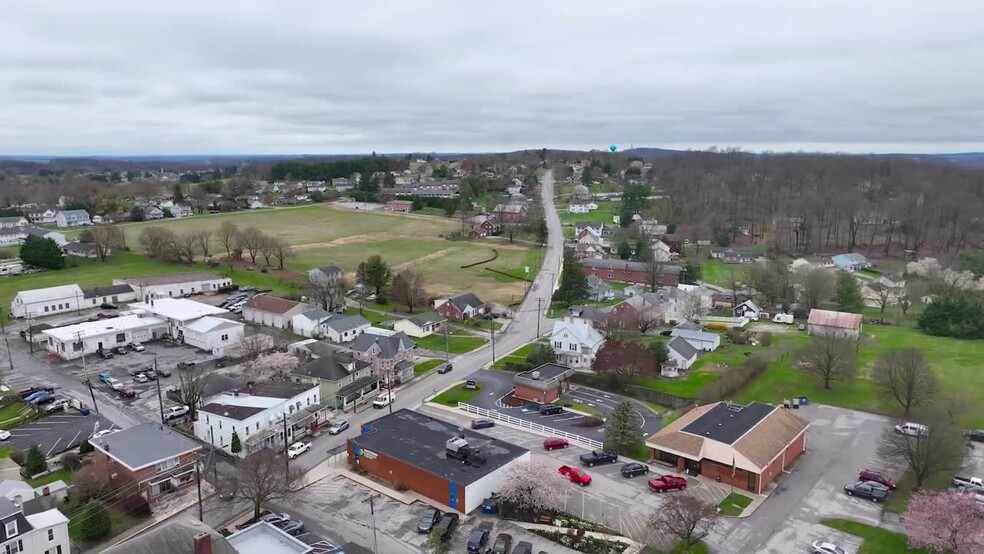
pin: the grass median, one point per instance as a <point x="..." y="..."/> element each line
<point x="456" y="394"/>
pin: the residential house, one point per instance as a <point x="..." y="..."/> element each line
<point x="47" y="301"/>
<point x="623" y="271"/>
<point x="401" y="206"/>
<point x="661" y="251"/>
<point x="597" y="228"/>
<point x="509" y="213"/>
<point x="850" y="262"/>
<point x="11" y="236"/>
<point x="325" y="275"/>
<point x="420" y="325"/>
<point x="41" y="216"/>
<point x="701" y="340"/>
<point x="391" y="356"/>
<point x="732" y="257"/>
<point x="652" y="228"/>
<point x="344" y="328"/>
<point x="575" y="342"/>
<point x="83" y="250"/>
<point x="308" y="322"/>
<point x="746" y="447"/>
<point x="154" y="213"/>
<point x="599" y="289"/>
<point x="344" y="381"/>
<point x="257" y="414"/>
<point x="59" y="238"/>
<point x="33" y="528"/>
<point x="747" y="309"/>
<point x="151" y="458"/>
<point x="590" y="235"/>
<point x="72" y="218"/>
<point x="682" y="353"/>
<point x="10" y="222"/>
<point x="272" y="311"/>
<point x="578" y="208"/>
<point x="183" y="534"/>
<point x="632" y="290"/>
<point x="460" y="307"/>
<point x="482" y="225"/>
<point x="831" y="323"/>
<point x="213" y="334"/>
<point x="717" y="252"/>
<point x="581" y="192"/>
<point x="255" y="205"/>
<point x="178" y="210"/>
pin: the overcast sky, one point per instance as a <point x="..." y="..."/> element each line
<point x="231" y="77"/>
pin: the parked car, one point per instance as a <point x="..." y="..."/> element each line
<point x="297" y="449"/>
<point x="446" y="368"/>
<point x="248" y="288"/>
<point x="107" y="306"/>
<point x="876" y="492"/>
<point x="876" y="476"/>
<point x="523" y="547"/>
<point x="912" y="429"/>
<point x="121" y="350"/>
<point x="339" y="426"/>
<point x="4" y="435"/>
<point x="174" y="412"/>
<point x="632" y="469"/>
<point x="824" y="547"/>
<point x="664" y="483"/>
<point x="137" y="347"/>
<point x="428" y="520"/>
<point x="503" y="543"/>
<point x="479" y="537"/>
<point x="57" y="405"/>
<point x="186" y="365"/>
<point x="471" y="385"/>
<point x="446" y="526"/>
<point x="127" y="393"/>
<point x="666" y="333"/>
<point x="45" y="398"/>
<point x="551" y="409"/>
<point x="104" y="377"/>
<point x="976" y="435"/>
<point x="960" y="482"/>
<point x="482" y="423"/>
<point x="114" y="383"/>
<point x="163" y="372"/>
<point x="151" y="374"/>
<point x="103" y="353"/>
<point x="38" y="394"/>
<point x="140" y="378"/>
<point x="575" y="474"/>
<point x="599" y="457"/>
<point x="26" y="393"/>
<point x="555" y="442"/>
<point x="104" y="432"/>
<point x="290" y="526"/>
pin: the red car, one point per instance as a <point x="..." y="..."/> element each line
<point x="576" y="475"/>
<point x="555" y="442"/>
<point x="663" y="483"/>
<point x="877" y="477"/>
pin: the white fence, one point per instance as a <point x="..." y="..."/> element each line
<point x="536" y="427"/>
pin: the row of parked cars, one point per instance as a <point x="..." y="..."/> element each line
<point x="479" y="539"/>
<point x="122" y="350"/>
<point x="284" y="522"/>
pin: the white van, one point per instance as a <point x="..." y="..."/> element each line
<point x="384" y="400"/>
<point x="912" y="429"/>
<point x="782" y="318"/>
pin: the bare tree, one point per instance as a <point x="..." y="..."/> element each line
<point x="693" y="307"/>
<point x="905" y="375"/>
<point x="686" y="517"/>
<point x="647" y="318"/>
<point x="883" y="298"/>
<point x="328" y="293"/>
<point x="654" y="273"/>
<point x="104" y="240"/>
<point x="281" y="250"/>
<point x="227" y="236"/>
<point x="912" y="295"/>
<point x="204" y="238"/>
<point x="816" y="285"/>
<point x="191" y="387"/>
<point x="268" y="247"/>
<point x="251" y="241"/>
<point x="158" y="243"/>
<point x="408" y="288"/>
<point x="830" y="358"/>
<point x="938" y="449"/>
<point x="262" y="478"/>
<point x="186" y="246"/>
<point x="530" y="487"/>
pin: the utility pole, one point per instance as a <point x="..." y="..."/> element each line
<point x="286" y="458"/>
<point x="198" y="482"/>
<point x="2" y="328"/>
<point x="539" y="302"/>
<point x="30" y="333"/>
<point x="85" y="371"/>
<point x="372" y="512"/>
<point x="160" y="401"/>
<point x="492" y="327"/>
<point x="389" y="386"/>
<point x="10" y="358"/>
<point x="447" y="349"/>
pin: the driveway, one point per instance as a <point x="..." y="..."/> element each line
<point x="55" y="433"/>
<point x="839" y="443"/>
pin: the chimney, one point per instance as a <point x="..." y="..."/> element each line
<point x="203" y="543"/>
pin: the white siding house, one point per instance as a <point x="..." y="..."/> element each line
<point x="213" y="334"/>
<point x="701" y="340"/>
<point x="47" y="301"/>
<point x="272" y="311"/>
<point x="306" y="323"/>
<point x="575" y="342"/>
<point x="72" y="218"/>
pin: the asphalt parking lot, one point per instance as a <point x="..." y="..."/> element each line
<point x="55" y="433"/>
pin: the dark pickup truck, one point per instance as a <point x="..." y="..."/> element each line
<point x="599" y="457"/>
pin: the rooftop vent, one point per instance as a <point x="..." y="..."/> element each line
<point x="535" y="375"/>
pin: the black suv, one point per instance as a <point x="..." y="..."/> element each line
<point x="447" y="526"/>
<point x="633" y="469"/>
<point x="502" y="544"/>
<point x="551" y="409"/>
<point x="104" y="353"/>
<point x="479" y="537"/>
<point x="429" y="520"/>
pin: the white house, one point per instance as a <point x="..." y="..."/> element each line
<point x="575" y="342"/>
<point x="11" y="236"/>
<point x="577" y="208"/>
<point x="341" y="329"/>
<point x="256" y="414"/>
<point x="73" y="341"/>
<point x="272" y="311"/>
<point x="47" y="301"/>
<point x="701" y="340"/>
<point x="748" y="309"/>
<point x="306" y="323"/>
<point x="33" y="528"/>
<point x="682" y="353"/>
<point x="661" y="251"/>
<point x="72" y="218"/>
<point x="154" y="213"/>
<point x="213" y="334"/>
<point x="420" y="325"/>
<point x="41" y="216"/>
<point x="174" y="285"/>
<point x="115" y="294"/>
<point x="178" y="210"/>
<point x="10" y="222"/>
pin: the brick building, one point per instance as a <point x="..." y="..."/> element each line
<point x="745" y="446"/>
<point x="401" y="206"/>
<point x="543" y="384"/>
<point x="159" y="458"/>
<point x="411" y="449"/>
<point x="628" y="272"/>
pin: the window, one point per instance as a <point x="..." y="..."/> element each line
<point x="225" y="338"/>
<point x="206" y="420"/>
<point x="46" y="309"/>
<point x="573" y="347"/>
<point x="14" y="547"/>
<point x="93" y="301"/>
<point x="167" y="464"/>
<point x="11" y="528"/>
<point x="51" y="534"/>
<point x="558" y="344"/>
<point x="220" y="424"/>
<point x="120" y="338"/>
<point x="298" y="406"/>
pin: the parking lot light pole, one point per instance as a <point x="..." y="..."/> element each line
<point x="372" y="512"/>
<point x="157" y="379"/>
<point x="85" y="371"/>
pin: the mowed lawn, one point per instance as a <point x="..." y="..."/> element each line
<point x="719" y="273"/>
<point x="456" y="343"/>
<point x="604" y="213"/>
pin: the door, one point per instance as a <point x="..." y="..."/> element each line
<point x="692" y="467"/>
<point x="751" y="481"/>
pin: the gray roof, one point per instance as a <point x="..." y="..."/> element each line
<point x="427" y="317"/>
<point x="75" y="214"/>
<point x="682" y="347"/>
<point x="315" y="314"/>
<point x="9" y="485"/>
<point x="330" y="365"/>
<point x="694" y="335"/>
<point x="217" y="383"/>
<point x="238" y="413"/>
<point x="145" y="444"/>
<point x="343" y="324"/>
<point x="107" y="291"/>
<point x="36" y="231"/>
<point x="389" y="346"/>
<point x="275" y="389"/>
<point x="330" y="269"/>
<point x="592" y="224"/>
<point x="466" y="299"/>
<point x="173" y="537"/>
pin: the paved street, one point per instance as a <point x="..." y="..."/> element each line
<point x="55" y="433"/>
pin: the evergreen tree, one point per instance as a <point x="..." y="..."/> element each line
<point x="622" y="428"/>
<point x="690" y="274"/>
<point x="375" y="273"/>
<point x="178" y="194"/>
<point x="41" y="252"/>
<point x="659" y="351"/>
<point x="624" y="250"/>
<point x="644" y="250"/>
<point x="35" y="463"/>
<point x="137" y="214"/>
<point x="849" y="294"/>
<point x="237" y="446"/>
<point x="573" y="282"/>
<point x="97" y="522"/>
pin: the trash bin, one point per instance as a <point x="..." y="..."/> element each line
<point x="804" y="400"/>
<point x="84" y="412"/>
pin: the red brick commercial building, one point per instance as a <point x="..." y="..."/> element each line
<point x="409" y="449"/>
<point x="745" y="446"/>
<point x="156" y="458"/>
<point x="628" y="272"/>
<point x="543" y="384"/>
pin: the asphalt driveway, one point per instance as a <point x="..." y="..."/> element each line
<point x="55" y="433"/>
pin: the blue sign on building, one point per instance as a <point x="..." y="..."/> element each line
<point x="453" y="498"/>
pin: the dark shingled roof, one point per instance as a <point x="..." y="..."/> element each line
<point x="682" y="347"/>
<point x="107" y="291"/>
<point x="330" y="365"/>
<point x="175" y="536"/>
<point x="388" y="346"/>
<point x="728" y="422"/>
<point x="464" y="300"/>
<point x="238" y="413"/>
<point x="420" y="440"/>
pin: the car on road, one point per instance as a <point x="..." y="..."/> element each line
<point x="163" y="372"/>
<point x="664" y="483"/>
<point x="428" y="520"/>
<point x="4" y="435"/>
<point x="599" y="457"/>
<point x="174" y="412"/>
<point x="523" y="547"/>
<point x="633" y="469"/>
<point x="876" y="476"/>
<point x="114" y="383"/>
<point x="975" y="435"/>
<point x="121" y="350"/>
<point x="297" y="449"/>
<point x="964" y="482"/>
<point x="339" y="426"/>
<point x="137" y="347"/>
<point x="104" y="432"/>
<point x="911" y="429"/>
<point x="446" y="526"/>
<point x="824" y="547"/>
<point x="502" y="544"/>
<point x="58" y="405"/>
<point x="290" y="526"/>
<point x="551" y="409"/>
<point x="555" y="442"/>
<point x="575" y="474"/>
<point x="108" y="306"/>
<point x="479" y="537"/>
<point x="446" y="368"/>
<point x="384" y="400"/>
<point x="876" y="492"/>
<point x="151" y="374"/>
<point x="471" y="385"/>
<point x="140" y="378"/>
<point x="104" y="354"/>
<point x="127" y="393"/>
<point x="482" y="423"/>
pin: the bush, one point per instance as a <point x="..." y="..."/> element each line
<point x="97" y="522"/>
<point x="85" y="447"/>
<point x="588" y="545"/>
<point x="36" y="463"/>
<point x="737" y="336"/>
<point x="17" y="456"/>
<point x="732" y="381"/>
<point x="71" y="461"/>
<point x="135" y="505"/>
<point x="765" y="339"/>
<point x="958" y="314"/>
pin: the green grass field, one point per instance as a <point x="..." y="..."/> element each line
<point x="374" y="317"/>
<point x="604" y="213"/>
<point x="719" y="273"/>
<point x="63" y="475"/>
<point x="876" y="540"/>
<point x="457" y="343"/>
<point x="426" y="365"/>
<point x="734" y="504"/>
<point x="517" y="356"/>
<point x="456" y="394"/>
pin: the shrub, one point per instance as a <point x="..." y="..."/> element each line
<point x="765" y="339"/>
<point x="97" y="523"/>
<point x="17" y="456"/>
<point x="71" y="461"/>
<point x="36" y="462"/>
<point x="732" y="381"/>
<point x="717" y="325"/>
<point x="91" y="482"/>
<point x="85" y="447"/>
<point x="737" y="336"/>
<point x="958" y="314"/>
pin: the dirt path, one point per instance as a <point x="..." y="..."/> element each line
<point x="427" y="258"/>
<point x="369" y="237"/>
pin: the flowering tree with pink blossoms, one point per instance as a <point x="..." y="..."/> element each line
<point x="280" y="362"/>
<point x="947" y="521"/>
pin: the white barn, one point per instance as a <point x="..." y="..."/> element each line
<point x="47" y="301"/>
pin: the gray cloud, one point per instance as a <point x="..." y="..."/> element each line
<point x="114" y="77"/>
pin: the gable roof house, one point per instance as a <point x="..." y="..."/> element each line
<point x="482" y="225"/>
<point x="391" y="357"/>
<point x="154" y="213"/>
<point x="460" y="307"/>
<point x="420" y="325"/>
<point x="150" y="457"/>
<point x="83" y="250"/>
<point x="272" y="311"/>
<point x="599" y="289"/>
<point x="682" y="353"/>
<point x="72" y="218"/>
<point x="32" y="532"/>
<point x="701" y="340"/>
<point x="834" y="324"/>
<point x="575" y="342"/>
<point x="10" y="222"/>
<point x="747" y="309"/>
<point x="179" y="535"/>
<point x="325" y="274"/>
<point x="745" y="446"/>
<point x="345" y="381"/>
<point x="41" y="216"/>
<point x="307" y="322"/>
<point x="850" y="262"/>
<point x="341" y="328"/>
<point x="47" y="301"/>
